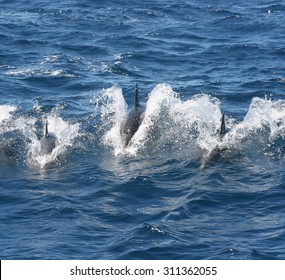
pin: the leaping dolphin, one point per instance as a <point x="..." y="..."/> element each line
<point x="134" y="119"/>
<point x="48" y="142"/>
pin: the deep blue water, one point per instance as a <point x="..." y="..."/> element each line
<point x="165" y="196"/>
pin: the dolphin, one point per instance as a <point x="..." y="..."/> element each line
<point x="133" y="120"/>
<point x="48" y="142"/>
<point x="217" y="151"/>
<point x="223" y="127"/>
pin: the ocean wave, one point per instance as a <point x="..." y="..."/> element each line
<point x="40" y="72"/>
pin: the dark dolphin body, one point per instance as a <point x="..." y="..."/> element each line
<point x="48" y="142"/>
<point x="217" y="151"/>
<point x="134" y="119"/>
<point x="223" y="126"/>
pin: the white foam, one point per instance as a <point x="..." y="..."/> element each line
<point x="113" y="112"/>
<point x="179" y="126"/>
<point x="190" y="129"/>
<point x="39" y="72"/>
<point x="65" y="132"/>
<point x="169" y="122"/>
<point x="6" y="112"/>
<point x="265" y="118"/>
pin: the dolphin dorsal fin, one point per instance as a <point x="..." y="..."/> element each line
<point x="46" y="130"/>
<point x="137" y="102"/>
<point x="223" y="125"/>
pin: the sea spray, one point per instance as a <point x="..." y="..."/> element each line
<point x="113" y="110"/>
<point x="6" y="112"/>
<point x="66" y="134"/>
<point x="170" y="125"/>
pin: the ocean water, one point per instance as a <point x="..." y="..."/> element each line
<point x="177" y="191"/>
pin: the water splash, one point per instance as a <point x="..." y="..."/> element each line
<point x="173" y="128"/>
<point x="5" y="129"/>
<point x="113" y="110"/>
<point x="264" y="118"/>
<point x="66" y="134"/>
<point x="170" y="125"/>
<point x="6" y="112"/>
<point x="20" y="137"/>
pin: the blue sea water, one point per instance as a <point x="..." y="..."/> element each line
<point x="167" y="195"/>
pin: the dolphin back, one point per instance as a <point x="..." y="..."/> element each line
<point x="134" y="119"/>
<point x="48" y="143"/>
